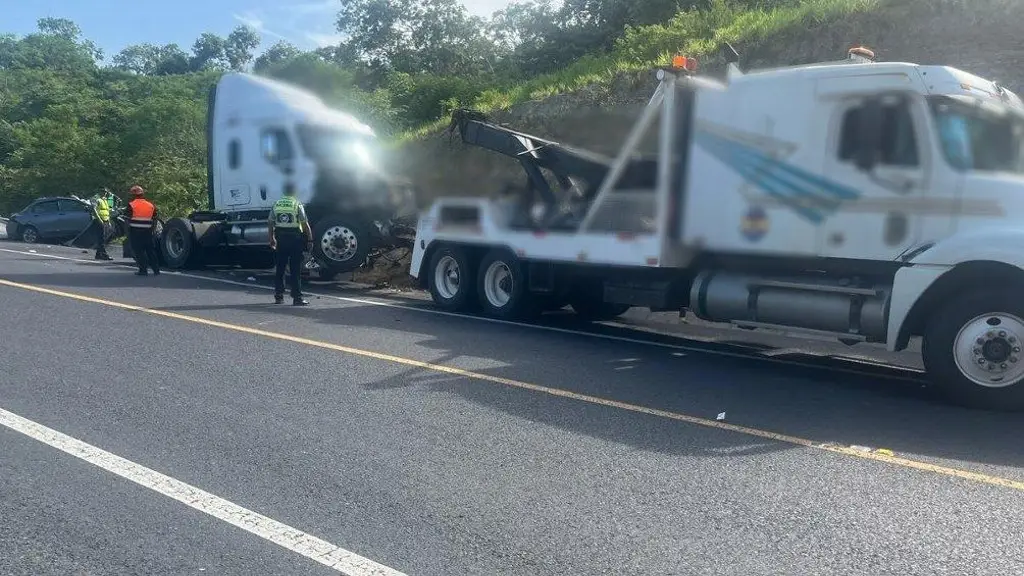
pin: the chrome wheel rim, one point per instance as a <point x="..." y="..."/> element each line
<point x="447" y="277"/>
<point x="339" y="243"/>
<point x="987" y="350"/>
<point x="498" y="284"/>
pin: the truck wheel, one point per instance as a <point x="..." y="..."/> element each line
<point x="340" y="244"/>
<point x="972" y="350"/>
<point x="178" y="244"/>
<point x="502" y="288"/>
<point x="451" y="279"/>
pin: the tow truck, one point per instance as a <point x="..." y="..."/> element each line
<point x="263" y="135"/>
<point x="862" y="200"/>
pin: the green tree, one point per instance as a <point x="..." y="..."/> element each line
<point x="208" y="53"/>
<point x="277" y="54"/>
<point x="239" y="47"/>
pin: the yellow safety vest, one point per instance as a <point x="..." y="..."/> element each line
<point x="286" y="213"/>
<point x="102" y="210"/>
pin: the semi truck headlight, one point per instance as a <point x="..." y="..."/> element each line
<point x="361" y="154"/>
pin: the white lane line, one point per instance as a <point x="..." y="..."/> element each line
<point x="609" y="337"/>
<point x="295" y="540"/>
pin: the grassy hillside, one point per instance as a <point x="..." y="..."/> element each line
<point x="693" y="33"/>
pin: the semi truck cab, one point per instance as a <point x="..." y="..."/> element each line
<point x="861" y="161"/>
<point x="264" y="135"/>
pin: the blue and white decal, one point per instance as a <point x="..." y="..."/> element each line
<point x="759" y="161"/>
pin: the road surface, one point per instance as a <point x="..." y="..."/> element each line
<point x="183" y="424"/>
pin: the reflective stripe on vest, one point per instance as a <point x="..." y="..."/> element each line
<point x="102" y="210"/>
<point x="286" y="213"/>
<point x="142" y="213"/>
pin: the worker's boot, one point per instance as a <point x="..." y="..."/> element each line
<point x="300" y="302"/>
<point x="278" y="298"/>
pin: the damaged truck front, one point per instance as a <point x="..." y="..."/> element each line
<point x="264" y="135"/>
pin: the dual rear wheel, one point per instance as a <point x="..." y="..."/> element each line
<point x="496" y="285"/>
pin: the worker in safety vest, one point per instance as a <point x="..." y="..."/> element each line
<point x="101" y="213"/>
<point x="110" y="198"/>
<point x="141" y="216"/>
<point x="289" y="234"/>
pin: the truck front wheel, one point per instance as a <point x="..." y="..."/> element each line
<point x="972" y="350"/>
<point x="340" y="244"/>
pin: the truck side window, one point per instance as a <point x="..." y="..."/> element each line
<point x="277" y="146"/>
<point x="899" y="142"/>
<point x="234" y="154"/>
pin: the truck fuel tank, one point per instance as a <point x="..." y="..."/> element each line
<point x="808" y="303"/>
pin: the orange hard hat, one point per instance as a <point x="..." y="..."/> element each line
<point x="136" y="191"/>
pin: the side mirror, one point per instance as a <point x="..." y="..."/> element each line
<point x="869" y="134"/>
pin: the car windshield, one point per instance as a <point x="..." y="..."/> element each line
<point x="977" y="136"/>
<point x="338" y="147"/>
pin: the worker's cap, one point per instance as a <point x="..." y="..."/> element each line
<point x="137" y="191"/>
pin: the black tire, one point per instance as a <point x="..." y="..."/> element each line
<point x="513" y="283"/>
<point x="459" y="296"/>
<point x="332" y="236"/>
<point x="588" y="304"/>
<point x="939" y="347"/>
<point x="30" y="235"/>
<point x="178" y="245"/>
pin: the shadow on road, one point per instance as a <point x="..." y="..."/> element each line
<point x="884" y="409"/>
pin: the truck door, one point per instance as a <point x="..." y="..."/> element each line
<point x="277" y="163"/>
<point x="886" y="219"/>
<point x="235" y="190"/>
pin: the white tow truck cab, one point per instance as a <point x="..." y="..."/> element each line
<point x="867" y="201"/>
<point x="264" y="135"/>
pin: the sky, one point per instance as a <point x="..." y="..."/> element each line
<point x="114" y="24"/>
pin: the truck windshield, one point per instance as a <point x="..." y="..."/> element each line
<point x="975" y="136"/>
<point x="338" y="148"/>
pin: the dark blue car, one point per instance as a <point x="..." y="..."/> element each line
<point x="60" y="218"/>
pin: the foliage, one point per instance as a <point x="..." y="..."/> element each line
<point x="72" y="122"/>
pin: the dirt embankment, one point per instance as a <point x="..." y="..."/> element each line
<point x="980" y="36"/>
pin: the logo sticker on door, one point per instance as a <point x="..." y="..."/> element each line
<point x="755" y="224"/>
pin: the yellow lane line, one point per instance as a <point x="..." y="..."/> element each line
<point x="878" y="456"/>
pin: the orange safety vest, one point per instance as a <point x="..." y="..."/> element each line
<point x="142" y="213"/>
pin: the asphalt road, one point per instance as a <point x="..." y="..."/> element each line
<point x="436" y="444"/>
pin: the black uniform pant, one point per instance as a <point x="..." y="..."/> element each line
<point x="102" y="233"/>
<point x="289" y="255"/>
<point x="144" y="249"/>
